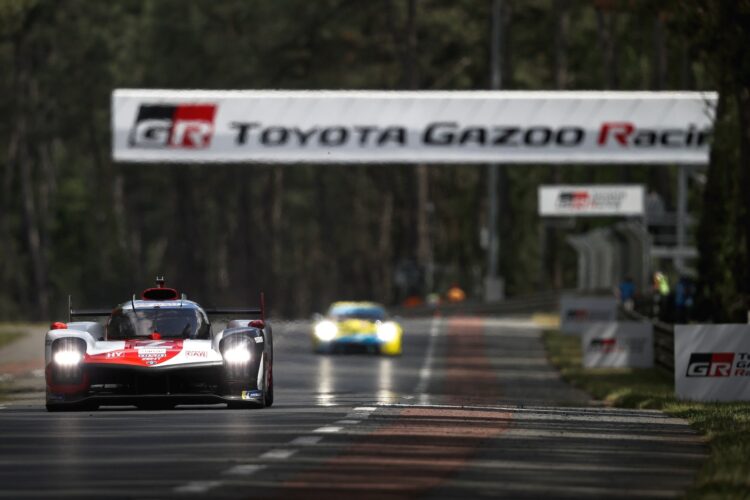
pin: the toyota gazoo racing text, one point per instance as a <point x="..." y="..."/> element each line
<point x="158" y="352"/>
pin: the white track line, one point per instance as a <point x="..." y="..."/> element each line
<point x="305" y="440"/>
<point x="278" y="454"/>
<point x="365" y="408"/>
<point x="426" y="372"/>
<point x="197" y="486"/>
<point x="244" y="469"/>
<point x="328" y="429"/>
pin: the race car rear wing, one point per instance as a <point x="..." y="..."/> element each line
<point x="235" y="311"/>
<point x="216" y="311"/>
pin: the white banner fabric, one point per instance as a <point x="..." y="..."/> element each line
<point x="712" y="362"/>
<point x="598" y="200"/>
<point x="613" y="344"/>
<point x="576" y="312"/>
<point x="409" y="127"/>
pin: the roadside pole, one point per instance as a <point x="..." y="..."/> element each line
<point x="494" y="286"/>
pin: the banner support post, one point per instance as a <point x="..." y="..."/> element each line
<point x="493" y="286"/>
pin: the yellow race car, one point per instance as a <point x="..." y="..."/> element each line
<point x="357" y="327"/>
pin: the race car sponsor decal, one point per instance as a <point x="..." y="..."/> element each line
<point x="251" y="394"/>
<point x="139" y="353"/>
<point x="258" y="340"/>
<point x="196" y="354"/>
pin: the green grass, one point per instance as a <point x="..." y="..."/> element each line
<point x="726" y="473"/>
<point x="6" y="337"/>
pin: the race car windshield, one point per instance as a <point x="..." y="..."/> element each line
<point x="366" y="313"/>
<point x="168" y="323"/>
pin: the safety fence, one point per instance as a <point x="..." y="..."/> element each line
<point x="523" y="304"/>
<point x="663" y="338"/>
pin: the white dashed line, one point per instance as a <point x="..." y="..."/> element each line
<point x="278" y="454"/>
<point x="347" y="422"/>
<point x="244" y="469"/>
<point x="306" y="440"/>
<point x="365" y="408"/>
<point x="328" y="429"/>
<point x="197" y="486"/>
<point x="426" y="372"/>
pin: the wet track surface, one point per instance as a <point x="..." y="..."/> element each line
<point x="471" y="409"/>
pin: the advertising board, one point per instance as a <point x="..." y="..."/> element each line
<point x="577" y="311"/>
<point x="618" y="344"/>
<point x="712" y="362"/>
<point x="412" y="126"/>
<point x="593" y="200"/>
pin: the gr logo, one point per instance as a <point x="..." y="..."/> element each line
<point x="173" y="126"/>
<point x="573" y="199"/>
<point x="716" y="364"/>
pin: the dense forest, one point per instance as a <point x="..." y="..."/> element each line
<point x="74" y="222"/>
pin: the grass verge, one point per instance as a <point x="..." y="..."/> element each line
<point x="7" y="337"/>
<point x="726" y="473"/>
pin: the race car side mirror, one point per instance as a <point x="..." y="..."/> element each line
<point x="257" y="323"/>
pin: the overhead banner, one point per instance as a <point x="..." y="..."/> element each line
<point x="712" y="362"/>
<point x="411" y="127"/>
<point x="566" y="201"/>
<point x="618" y="344"/>
<point x="577" y="312"/>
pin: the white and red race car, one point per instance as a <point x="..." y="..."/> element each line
<point x="158" y="352"/>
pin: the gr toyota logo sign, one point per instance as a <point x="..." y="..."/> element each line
<point x="719" y="364"/>
<point x="712" y="362"/>
<point x="618" y="344"/>
<point x="409" y="127"/>
<point x="173" y="126"/>
<point x="577" y="312"/>
<point x="593" y="200"/>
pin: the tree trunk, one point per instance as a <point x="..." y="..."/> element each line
<point x="605" y="26"/>
<point x="743" y="103"/>
<point x="554" y="236"/>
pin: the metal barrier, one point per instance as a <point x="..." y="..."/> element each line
<point x="537" y="302"/>
<point x="663" y="339"/>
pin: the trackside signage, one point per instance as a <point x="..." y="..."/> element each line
<point x="403" y="127"/>
<point x="616" y="344"/>
<point x="566" y="201"/>
<point x="577" y="312"/>
<point x="712" y="362"/>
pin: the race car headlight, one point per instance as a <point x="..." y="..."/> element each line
<point x="326" y="330"/>
<point x="67" y="357"/>
<point x="387" y="331"/>
<point x="236" y="355"/>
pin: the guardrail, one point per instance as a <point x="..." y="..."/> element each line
<point x="537" y="302"/>
<point x="663" y="339"/>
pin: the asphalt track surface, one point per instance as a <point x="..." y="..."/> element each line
<point x="472" y="409"/>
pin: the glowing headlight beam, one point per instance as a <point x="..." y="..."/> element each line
<point x="237" y="355"/>
<point x="326" y="330"/>
<point x="68" y="357"/>
<point x="387" y="331"/>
